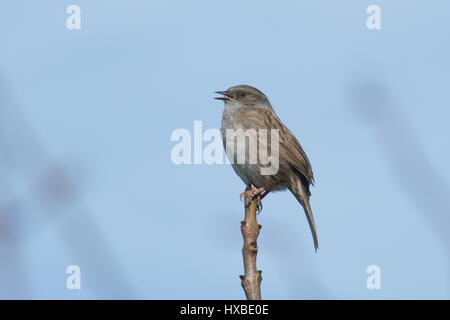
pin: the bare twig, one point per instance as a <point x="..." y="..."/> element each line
<point x="251" y="281"/>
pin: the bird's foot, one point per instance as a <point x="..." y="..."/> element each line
<point x="252" y="193"/>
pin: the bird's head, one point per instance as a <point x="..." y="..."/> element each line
<point x="244" y="96"/>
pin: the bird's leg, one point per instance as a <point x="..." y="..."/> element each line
<point x="260" y="196"/>
<point x="266" y="192"/>
<point x="251" y="192"/>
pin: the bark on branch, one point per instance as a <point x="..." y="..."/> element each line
<point x="251" y="280"/>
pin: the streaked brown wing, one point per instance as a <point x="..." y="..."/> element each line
<point x="290" y="148"/>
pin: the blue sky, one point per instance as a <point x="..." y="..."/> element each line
<point x="101" y="103"/>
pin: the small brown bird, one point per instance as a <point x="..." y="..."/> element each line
<point x="248" y="109"/>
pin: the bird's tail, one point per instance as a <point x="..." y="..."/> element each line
<point x="302" y="196"/>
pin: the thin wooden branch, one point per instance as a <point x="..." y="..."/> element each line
<point x="251" y="280"/>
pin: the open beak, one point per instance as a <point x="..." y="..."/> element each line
<point x="226" y="98"/>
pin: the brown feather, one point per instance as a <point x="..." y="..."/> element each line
<point x="290" y="148"/>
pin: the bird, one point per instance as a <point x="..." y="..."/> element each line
<point x="247" y="108"/>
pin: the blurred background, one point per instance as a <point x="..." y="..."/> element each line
<point x="86" y="176"/>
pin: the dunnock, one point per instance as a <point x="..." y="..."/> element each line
<point x="247" y="108"/>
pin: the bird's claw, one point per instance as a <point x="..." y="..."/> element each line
<point x="251" y="194"/>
